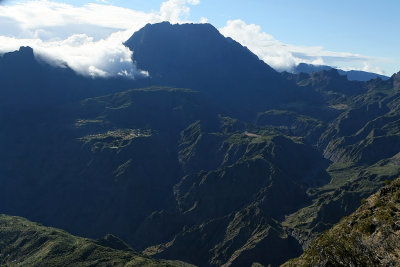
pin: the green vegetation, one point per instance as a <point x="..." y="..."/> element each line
<point x="24" y="243"/>
<point x="116" y="139"/>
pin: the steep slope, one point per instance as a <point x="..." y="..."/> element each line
<point x="237" y="187"/>
<point x="368" y="237"/>
<point x="24" y="243"/>
<point x="114" y="157"/>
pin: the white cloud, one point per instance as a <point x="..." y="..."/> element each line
<point x="175" y="10"/>
<point x="203" y="20"/>
<point x="88" y="38"/>
<point x="50" y="16"/>
<point x="106" y="57"/>
<point x="283" y="56"/>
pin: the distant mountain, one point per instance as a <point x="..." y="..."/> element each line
<point x="24" y="243"/>
<point x="352" y="75"/>
<point x="309" y="68"/>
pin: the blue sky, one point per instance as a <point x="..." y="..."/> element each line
<point x="367" y="27"/>
<point x="348" y="34"/>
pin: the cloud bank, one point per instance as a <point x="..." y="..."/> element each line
<point x="89" y="39"/>
<point x="283" y="56"/>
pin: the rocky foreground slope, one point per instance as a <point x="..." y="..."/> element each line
<point x="24" y="243"/>
<point x="368" y="237"/>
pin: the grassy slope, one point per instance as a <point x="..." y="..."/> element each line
<point x="24" y="243"/>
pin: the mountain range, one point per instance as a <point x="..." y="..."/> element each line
<point x="215" y="159"/>
<point x="352" y="75"/>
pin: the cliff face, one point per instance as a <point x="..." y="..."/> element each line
<point x="368" y="237"/>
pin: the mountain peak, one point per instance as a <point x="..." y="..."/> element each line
<point x="24" y="53"/>
<point x="26" y="50"/>
<point x="21" y="60"/>
<point x="199" y="57"/>
<point x="166" y="49"/>
<point x="167" y="28"/>
<point x="166" y="25"/>
<point x="196" y="51"/>
<point x="179" y="36"/>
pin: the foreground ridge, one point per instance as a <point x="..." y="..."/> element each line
<point x="24" y="243"/>
<point x="368" y="237"/>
